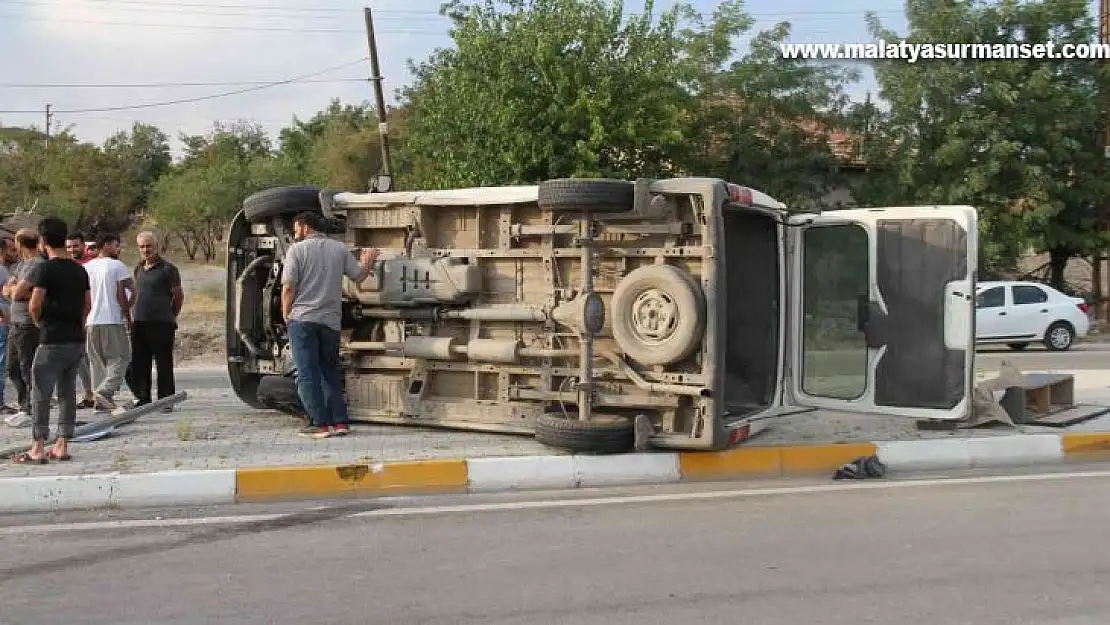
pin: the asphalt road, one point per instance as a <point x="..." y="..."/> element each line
<point x="993" y="551"/>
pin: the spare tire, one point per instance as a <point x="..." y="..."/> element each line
<point x="602" y="434"/>
<point x="595" y="195"/>
<point x="282" y="201"/>
<point x="280" y="393"/>
<point x="658" y="314"/>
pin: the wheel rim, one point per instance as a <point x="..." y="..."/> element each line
<point x="654" y="316"/>
<point x="1060" y="337"/>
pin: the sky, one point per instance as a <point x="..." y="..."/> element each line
<point x="52" y="50"/>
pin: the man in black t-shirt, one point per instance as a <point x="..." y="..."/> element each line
<point x="60" y="304"/>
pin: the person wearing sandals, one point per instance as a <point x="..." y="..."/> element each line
<point x="60" y="304"/>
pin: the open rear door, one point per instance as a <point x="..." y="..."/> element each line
<point x="883" y="311"/>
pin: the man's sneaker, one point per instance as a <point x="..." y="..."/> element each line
<point x="341" y="430"/>
<point x="104" y="403"/>
<point x="7" y="410"/>
<point x="86" y="403"/>
<point x="18" y="420"/>
<point x="313" y="431"/>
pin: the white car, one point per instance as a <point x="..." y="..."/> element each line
<point x="1019" y="313"/>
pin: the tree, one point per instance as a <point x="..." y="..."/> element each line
<point x="201" y="194"/>
<point x="1018" y="139"/>
<point x="339" y="147"/>
<point x="767" y="120"/>
<point x="143" y="154"/>
<point x="551" y="88"/>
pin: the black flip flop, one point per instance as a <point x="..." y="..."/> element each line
<point x="53" y="456"/>
<point x="25" y="458"/>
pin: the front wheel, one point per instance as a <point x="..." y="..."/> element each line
<point x="1017" y="347"/>
<point x="1059" y="336"/>
<point x="245" y="385"/>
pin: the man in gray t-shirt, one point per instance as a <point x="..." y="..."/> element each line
<point x="312" y="304"/>
<point x="23" y="334"/>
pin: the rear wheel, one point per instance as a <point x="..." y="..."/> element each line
<point x="602" y="434"/>
<point x="281" y="201"/>
<point x="1059" y="336"/>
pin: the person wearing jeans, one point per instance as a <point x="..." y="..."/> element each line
<point x="312" y="304"/>
<point x="60" y="303"/>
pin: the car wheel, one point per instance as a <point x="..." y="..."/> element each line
<point x="586" y="194"/>
<point x="280" y="393"/>
<point x="281" y="201"/>
<point x="602" y="434"/>
<point x="1017" y="347"/>
<point x="1059" y="336"/>
<point x="658" y="315"/>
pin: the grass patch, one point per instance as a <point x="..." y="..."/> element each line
<point x="207" y="299"/>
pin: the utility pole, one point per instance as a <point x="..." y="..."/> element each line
<point x="1096" y="266"/>
<point x="46" y="159"/>
<point x="384" y="182"/>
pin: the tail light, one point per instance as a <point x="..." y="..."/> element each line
<point x="1083" y="306"/>
<point x="740" y="195"/>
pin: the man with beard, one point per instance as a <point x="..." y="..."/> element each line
<point x="75" y="245"/>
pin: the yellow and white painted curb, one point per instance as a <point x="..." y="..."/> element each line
<point x="484" y="475"/>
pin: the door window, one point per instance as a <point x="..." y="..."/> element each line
<point x="835" y="276"/>
<point x="1028" y="294"/>
<point x="994" y="297"/>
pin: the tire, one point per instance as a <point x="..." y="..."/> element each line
<point x="602" y="434"/>
<point x="245" y="385"/>
<point x="280" y="393"/>
<point x="1059" y="336"/>
<point x="1017" y="347"/>
<point x="281" y="201"/>
<point x="596" y="195"/>
<point x="658" y="315"/>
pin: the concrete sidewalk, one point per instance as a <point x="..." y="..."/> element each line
<point x="212" y="441"/>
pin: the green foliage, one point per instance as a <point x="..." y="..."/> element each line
<point x="766" y="122"/>
<point x="1018" y="139"/>
<point x="535" y="89"/>
<point x="551" y="88"/>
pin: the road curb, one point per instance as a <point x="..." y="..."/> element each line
<point x="512" y="473"/>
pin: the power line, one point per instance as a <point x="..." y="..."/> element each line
<point x="356" y="7"/>
<point x="210" y="10"/>
<point x="212" y="96"/>
<point x="210" y="27"/>
<point x="160" y="85"/>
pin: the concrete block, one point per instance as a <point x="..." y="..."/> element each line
<point x="646" y="468"/>
<point x="520" y="473"/>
